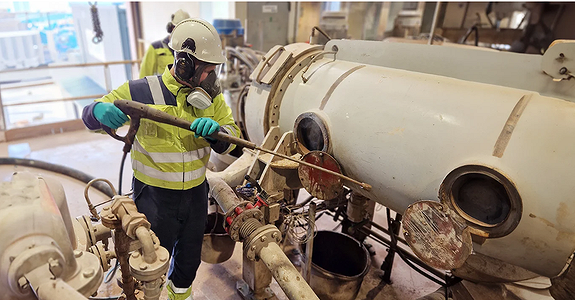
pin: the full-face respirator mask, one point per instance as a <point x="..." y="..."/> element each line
<point x="203" y="92"/>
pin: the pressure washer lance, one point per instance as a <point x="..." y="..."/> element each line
<point x="136" y="111"/>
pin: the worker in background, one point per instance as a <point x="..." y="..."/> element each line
<point x="159" y="54"/>
<point x="169" y="163"/>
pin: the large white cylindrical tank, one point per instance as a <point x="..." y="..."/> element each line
<point x="403" y="132"/>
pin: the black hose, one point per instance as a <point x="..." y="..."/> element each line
<point x="79" y="175"/>
<point x="121" y="173"/>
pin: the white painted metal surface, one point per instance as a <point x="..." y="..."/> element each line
<point x="404" y="131"/>
<point x="35" y="239"/>
<point x="522" y="71"/>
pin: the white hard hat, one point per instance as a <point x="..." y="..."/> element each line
<point x="198" y="38"/>
<point x="179" y="16"/>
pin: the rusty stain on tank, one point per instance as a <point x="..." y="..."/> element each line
<point x="566" y="217"/>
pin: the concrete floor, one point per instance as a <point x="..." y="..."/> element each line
<point x="100" y="155"/>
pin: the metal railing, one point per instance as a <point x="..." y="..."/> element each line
<point x="107" y="77"/>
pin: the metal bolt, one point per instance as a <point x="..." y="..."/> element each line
<point x="135" y="254"/>
<point x="77" y="253"/>
<point x="263" y="239"/>
<point x="23" y="283"/>
<point x="55" y="267"/>
<point x="275" y="235"/>
<point x="89" y="273"/>
<point x="106" y="208"/>
<point x="163" y="259"/>
<point x="562" y="70"/>
<point x="143" y="266"/>
<point x="254" y="248"/>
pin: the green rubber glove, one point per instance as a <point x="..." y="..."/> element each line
<point x="109" y="115"/>
<point x="204" y="127"/>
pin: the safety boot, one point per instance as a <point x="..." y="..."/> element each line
<point x="176" y="293"/>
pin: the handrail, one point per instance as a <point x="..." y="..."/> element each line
<point x="12" y="87"/>
<point x="120" y="62"/>
<point x="107" y="77"/>
<point x="56" y="100"/>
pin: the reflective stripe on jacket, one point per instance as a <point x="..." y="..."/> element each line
<point x="164" y="155"/>
<point x="157" y="57"/>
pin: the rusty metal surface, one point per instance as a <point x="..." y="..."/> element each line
<point x="320" y="184"/>
<point x="450" y="189"/>
<point x="122" y="244"/>
<point x="285" y="164"/>
<point x="437" y="235"/>
<point x="311" y="133"/>
<point x="275" y="179"/>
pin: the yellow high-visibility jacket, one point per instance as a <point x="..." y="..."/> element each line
<point x="157" y="57"/>
<point x="164" y="155"/>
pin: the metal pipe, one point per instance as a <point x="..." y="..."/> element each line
<point x="148" y="250"/>
<point x="376" y="236"/>
<point x="433" y="23"/>
<point x="102" y="232"/>
<point x="223" y="194"/>
<point x="234" y="174"/>
<point x="274" y="258"/>
<point x="57" y="290"/>
<point x="309" y="244"/>
<point x="122" y="245"/>
<point x="387" y="231"/>
<point x="91" y="207"/>
<point x="152" y="289"/>
<point x="285" y="273"/>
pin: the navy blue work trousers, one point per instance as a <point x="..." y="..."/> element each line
<point x="178" y="219"/>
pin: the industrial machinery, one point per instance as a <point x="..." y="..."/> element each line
<point x="48" y="255"/>
<point x="472" y="149"/>
<point x="241" y="62"/>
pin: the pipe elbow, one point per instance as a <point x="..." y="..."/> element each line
<point x="148" y="249"/>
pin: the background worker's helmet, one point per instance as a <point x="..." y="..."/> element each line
<point x="177" y="17"/>
<point x="199" y="39"/>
